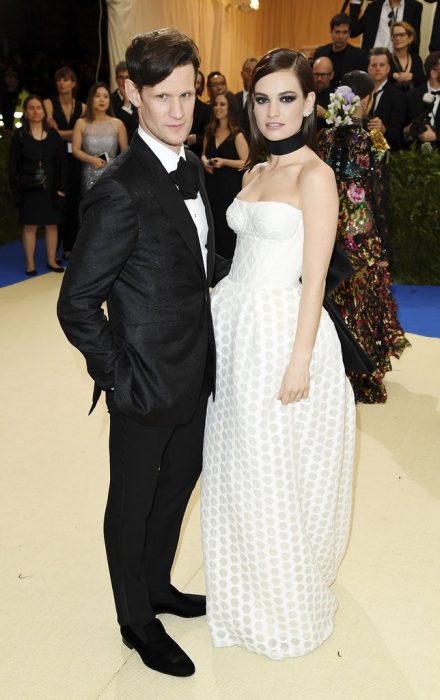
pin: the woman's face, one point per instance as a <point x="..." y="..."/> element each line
<point x="65" y="86"/>
<point x="34" y="111"/>
<point x="101" y="100"/>
<point x="279" y="105"/>
<point x="400" y="38"/>
<point x="220" y="107"/>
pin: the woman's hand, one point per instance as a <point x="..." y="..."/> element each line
<point x="403" y="77"/>
<point x="206" y="164"/>
<point x="217" y="162"/>
<point x="296" y="382"/>
<point x="97" y="162"/>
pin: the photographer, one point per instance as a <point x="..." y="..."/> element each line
<point x="423" y="106"/>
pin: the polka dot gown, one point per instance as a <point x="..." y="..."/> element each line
<point x="277" y="480"/>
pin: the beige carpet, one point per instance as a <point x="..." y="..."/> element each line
<point x="59" y="636"/>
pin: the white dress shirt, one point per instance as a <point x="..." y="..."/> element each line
<point x="196" y="208"/>
<point x="377" y="94"/>
<point x="383" y="36"/>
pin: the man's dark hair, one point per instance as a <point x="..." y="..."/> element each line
<point x="120" y="67"/>
<point x="432" y="61"/>
<point x="381" y="51"/>
<point x="340" y="18"/>
<point x="153" y="56"/>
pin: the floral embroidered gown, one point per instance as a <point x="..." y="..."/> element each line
<point x="365" y="299"/>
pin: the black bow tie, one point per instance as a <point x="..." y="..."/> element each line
<point x="186" y="177"/>
<point x="435" y="92"/>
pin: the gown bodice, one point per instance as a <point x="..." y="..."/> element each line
<point x="270" y="239"/>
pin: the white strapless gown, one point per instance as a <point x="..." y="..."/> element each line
<point x="277" y="480"/>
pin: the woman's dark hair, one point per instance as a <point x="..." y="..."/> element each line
<point x="89" y="114"/>
<point x="274" y="61"/>
<point x="153" y="56"/>
<point x="233" y="115"/>
<point x="432" y="62"/>
<point x="25" y="120"/>
<point x="340" y="18"/>
<point x="68" y="74"/>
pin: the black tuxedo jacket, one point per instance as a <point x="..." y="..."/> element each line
<point x="434" y="44"/>
<point x="392" y="110"/>
<point x="368" y="23"/>
<point x="416" y="107"/>
<point x="201" y="119"/>
<point x="138" y="249"/>
<point x="244" y="116"/>
<point x="130" y="121"/>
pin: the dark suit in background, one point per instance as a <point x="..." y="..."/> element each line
<point x="367" y="24"/>
<point x="138" y="249"/>
<point x="130" y="121"/>
<point x="244" y="116"/>
<point x="201" y="119"/>
<point x="417" y="107"/>
<point x="434" y="44"/>
<point x="391" y="109"/>
<point x="350" y="58"/>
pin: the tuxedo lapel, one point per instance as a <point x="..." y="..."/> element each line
<point x="211" y="239"/>
<point x="169" y="197"/>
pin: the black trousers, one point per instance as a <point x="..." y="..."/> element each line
<point x="153" y="471"/>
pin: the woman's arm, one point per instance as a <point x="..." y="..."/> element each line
<point x="77" y="151"/>
<point x="319" y="238"/>
<point x="242" y="150"/>
<point x="122" y="135"/>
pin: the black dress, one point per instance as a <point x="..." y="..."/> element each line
<point x="38" y="206"/>
<point x="222" y="187"/>
<point x="68" y="231"/>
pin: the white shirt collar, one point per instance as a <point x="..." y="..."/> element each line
<point x="167" y="157"/>
<point x="382" y="85"/>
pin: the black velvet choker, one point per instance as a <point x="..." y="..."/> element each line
<point x="285" y="146"/>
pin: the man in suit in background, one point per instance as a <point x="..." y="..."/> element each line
<point x="146" y="247"/>
<point x="122" y="107"/>
<point x="424" y="112"/>
<point x="344" y="56"/>
<point x="388" y="105"/>
<point x="323" y="74"/>
<point x="374" y="24"/>
<point x="246" y="76"/>
<point x="201" y="118"/>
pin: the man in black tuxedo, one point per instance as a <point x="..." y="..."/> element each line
<point x="246" y="75"/>
<point x="426" y="129"/>
<point x="374" y="24"/>
<point x="344" y="56"/>
<point x="146" y="247"/>
<point x="122" y="107"/>
<point x="387" y="106"/>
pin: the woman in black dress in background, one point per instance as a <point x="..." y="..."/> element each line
<point x="63" y="111"/>
<point x="225" y="151"/>
<point x="38" y="181"/>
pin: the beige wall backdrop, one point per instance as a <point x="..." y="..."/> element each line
<point x="224" y="34"/>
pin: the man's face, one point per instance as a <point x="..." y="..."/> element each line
<point x="379" y="68"/>
<point x="217" y="85"/>
<point x="340" y="35"/>
<point x="322" y="74"/>
<point x="246" y="73"/>
<point x="121" y="77"/>
<point x="166" y="110"/>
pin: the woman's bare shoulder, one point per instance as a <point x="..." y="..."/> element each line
<point x="253" y="173"/>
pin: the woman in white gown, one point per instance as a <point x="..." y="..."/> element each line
<point x="279" y="441"/>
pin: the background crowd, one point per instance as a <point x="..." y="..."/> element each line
<point x="63" y="138"/>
